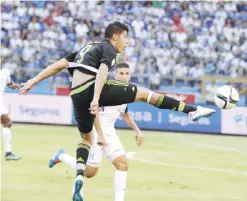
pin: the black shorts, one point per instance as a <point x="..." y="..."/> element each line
<point x="113" y="93"/>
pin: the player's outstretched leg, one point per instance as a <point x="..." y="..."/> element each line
<point x="91" y="171"/>
<point x="164" y="102"/>
<point x="6" y="133"/>
<point x="94" y="160"/>
<point x="62" y="156"/>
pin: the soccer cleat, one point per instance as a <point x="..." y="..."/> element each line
<point x="55" y="159"/>
<point x="77" y="194"/>
<point x="201" y="112"/>
<point x="12" y="157"/>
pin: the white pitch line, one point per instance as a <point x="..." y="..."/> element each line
<point x="219" y="148"/>
<point x="177" y="193"/>
<point x="188" y="166"/>
<point x="170" y="192"/>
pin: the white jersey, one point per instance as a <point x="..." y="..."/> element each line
<point x="4" y="80"/>
<point x="108" y="117"/>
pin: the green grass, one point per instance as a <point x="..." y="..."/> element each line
<point x="169" y="166"/>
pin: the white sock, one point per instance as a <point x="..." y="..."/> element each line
<point x="6" y="139"/>
<point x="120" y="184"/>
<point x="69" y="160"/>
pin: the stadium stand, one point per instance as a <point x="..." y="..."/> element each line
<point x="173" y="43"/>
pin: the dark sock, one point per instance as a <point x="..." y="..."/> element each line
<point x="188" y="108"/>
<point x="165" y="102"/>
<point x="81" y="158"/>
<point x="8" y="153"/>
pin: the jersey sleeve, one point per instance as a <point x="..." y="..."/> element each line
<point x="71" y="56"/>
<point x="108" y="55"/>
<point x="124" y="108"/>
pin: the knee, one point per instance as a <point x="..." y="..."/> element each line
<point x="90" y="172"/>
<point x="6" y="122"/>
<point x="142" y="94"/>
<point x="122" y="165"/>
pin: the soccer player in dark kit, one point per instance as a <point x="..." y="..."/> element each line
<point x="90" y="89"/>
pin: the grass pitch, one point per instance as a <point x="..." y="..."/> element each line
<point x="168" y="166"/>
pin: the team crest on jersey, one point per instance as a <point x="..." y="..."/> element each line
<point x="113" y="62"/>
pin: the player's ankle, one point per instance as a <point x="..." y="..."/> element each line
<point x="80" y="177"/>
<point x="8" y="153"/>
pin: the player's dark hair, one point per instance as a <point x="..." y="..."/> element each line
<point x="122" y="65"/>
<point x="115" y="28"/>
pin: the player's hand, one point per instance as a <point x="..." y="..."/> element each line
<point x="139" y="139"/>
<point x="94" y="106"/>
<point x="17" y="87"/>
<point x="25" y="87"/>
<point x="101" y="141"/>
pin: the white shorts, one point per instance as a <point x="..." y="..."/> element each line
<point x="112" y="150"/>
<point x="3" y="110"/>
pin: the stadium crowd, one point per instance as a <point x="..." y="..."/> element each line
<point x="181" y="39"/>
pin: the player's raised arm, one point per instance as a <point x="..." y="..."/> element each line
<point x="131" y="123"/>
<point x="99" y="83"/>
<point x="47" y="72"/>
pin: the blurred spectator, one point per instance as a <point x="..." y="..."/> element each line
<point x="222" y="66"/>
<point x="20" y="76"/>
<point x="34" y="25"/>
<point x="138" y="26"/>
<point x="196" y="72"/>
<point x="79" y="43"/>
<point x="210" y="93"/>
<point x="81" y="29"/>
<point x="154" y="79"/>
<point x="21" y="10"/>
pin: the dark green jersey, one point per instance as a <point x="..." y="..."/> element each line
<point x="89" y="58"/>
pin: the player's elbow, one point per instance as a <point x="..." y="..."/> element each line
<point x="127" y="119"/>
<point x="125" y="116"/>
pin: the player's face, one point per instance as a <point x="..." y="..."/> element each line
<point x="122" y="74"/>
<point x="122" y="41"/>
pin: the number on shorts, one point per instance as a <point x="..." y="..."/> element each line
<point x="91" y="157"/>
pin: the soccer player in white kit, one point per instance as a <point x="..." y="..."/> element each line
<point x="113" y="149"/>
<point x="5" y="80"/>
